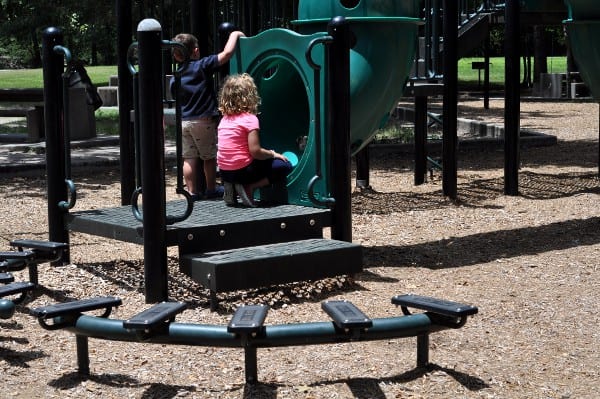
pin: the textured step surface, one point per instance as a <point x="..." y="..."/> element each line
<point x="264" y="265"/>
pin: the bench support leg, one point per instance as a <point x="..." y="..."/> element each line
<point x="33" y="273"/>
<point x="250" y="362"/>
<point x="83" y="355"/>
<point x="214" y="302"/>
<point x="422" y="350"/>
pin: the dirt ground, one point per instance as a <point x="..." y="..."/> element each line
<point x="529" y="262"/>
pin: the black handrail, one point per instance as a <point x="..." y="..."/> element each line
<point x="66" y="205"/>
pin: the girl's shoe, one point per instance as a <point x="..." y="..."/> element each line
<point x="216" y="193"/>
<point x="244" y="196"/>
<point x="229" y="196"/>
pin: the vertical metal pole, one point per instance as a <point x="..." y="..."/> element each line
<point x="339" y="103"/>
<point x="54" y="131"/>
<point x="420" y="139"/>
<point x="200" y="23"/>
<point x="422" y="350"/>
<point x="83" y="354"/>
<point x="126" y="135"/>
<point x="363" y="164"/>
<point x="486" y="72"/>
<point x="449" y="165"/>
<point x="250" y="363"/>
<point x="152" y="160"/>
<point x="512" y="98"/>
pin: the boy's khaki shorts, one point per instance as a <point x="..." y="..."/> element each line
<point x="199" y="138"/>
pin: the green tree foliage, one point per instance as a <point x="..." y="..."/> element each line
<point x="82" y="23"/>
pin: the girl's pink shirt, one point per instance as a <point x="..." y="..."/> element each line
<point x="233" y="152"/>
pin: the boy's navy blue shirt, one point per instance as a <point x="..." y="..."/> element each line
<point x="198" y="98"/>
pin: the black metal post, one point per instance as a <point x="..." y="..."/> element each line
<point x="83" y="354"/>
<point x="420" y="123"/>
<point x="512" y="99"/>
<point x="363" y="164"/>
<point x="200" y="23"/>
<point x="450" y="109"/>
<point x="250" y="363"/>
<point x="55" y="137"/>
<point x="126" y="134"/>
<point x="152" y="160"/>
<point x="486" y="72"/>
<point x="422" y="350"/>
<point x="339" y="102"/>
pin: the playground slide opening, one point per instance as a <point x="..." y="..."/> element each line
<point x="291" y="74"/>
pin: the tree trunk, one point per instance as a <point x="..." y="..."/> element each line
<point x="540" y="55"/>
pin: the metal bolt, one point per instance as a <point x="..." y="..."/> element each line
<point x="190" y="237"/>
<point x="312" y="222"/>
<point x="222" y="233"/>
<point x="283" y="226"/>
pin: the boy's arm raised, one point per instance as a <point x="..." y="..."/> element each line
<point x="229" y="48"/>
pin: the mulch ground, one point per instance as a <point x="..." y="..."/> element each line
<point x="529" y="262"/>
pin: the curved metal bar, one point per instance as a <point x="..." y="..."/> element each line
<point x="188" y="210"/>
<point x="171" y="45"/>
<point x="66" y="205"/>
<point x="134" y="205"/>
<point x="311" y="45"/>
<point x="328" y="201"/>
<point x="66" y="77"/>
<point x="130" y="56"/>
<point x="65" y="51"/>
<point x="311" y="333"/>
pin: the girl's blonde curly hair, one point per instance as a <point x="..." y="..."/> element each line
<point x="238" y="95"/>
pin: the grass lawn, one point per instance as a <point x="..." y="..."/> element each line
<point x="107" y="119"/>
<point x="33" y="78"/>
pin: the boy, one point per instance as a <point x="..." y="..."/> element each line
<point x="199" y="112"/>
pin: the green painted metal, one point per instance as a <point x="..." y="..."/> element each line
<point x="380" y="60"/>
<point x="7" y="309"/>
<point x="315" y="9"/>
<point x="294" y="108"/>
<point x="583" y="29"/>
<point x="583" y="9"/>
<point x="272" y="335"/>
<point x="542" y="6"/>
<point x="293" y="98"/>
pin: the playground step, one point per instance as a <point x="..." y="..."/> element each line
<point x="211" y="226"/>
<point x="263" y="265"/>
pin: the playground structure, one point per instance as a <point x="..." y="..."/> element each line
<point x="205" y="246"/>
<point x="318" y="113"/>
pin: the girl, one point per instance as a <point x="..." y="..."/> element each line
<point x="244" y="164"/>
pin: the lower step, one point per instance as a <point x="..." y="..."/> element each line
<point x="265" y="265"/>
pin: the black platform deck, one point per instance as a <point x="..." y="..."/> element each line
<point x="211" y="226"/>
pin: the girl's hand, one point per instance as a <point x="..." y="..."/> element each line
<point x="277" y="155"/>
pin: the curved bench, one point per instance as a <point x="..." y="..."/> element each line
<point x="246" y="328"/>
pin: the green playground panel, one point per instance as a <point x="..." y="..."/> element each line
<point x="583" y="9"/>
<point x="317" y="9"/>
<point x="543" y="6"/>
<point x="294" y="105"/>
<point x="292" y="112"/>
<point x="586" y="51"/>
<point x="583" y="29"/>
